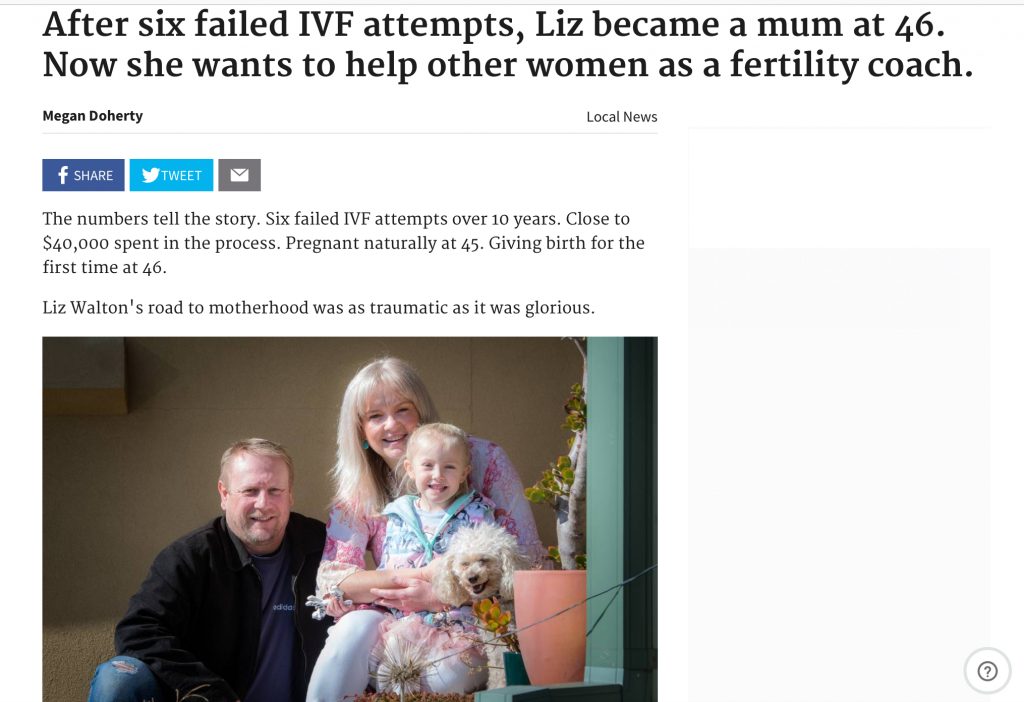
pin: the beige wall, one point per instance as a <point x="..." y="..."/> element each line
<point x="116" y="489"/>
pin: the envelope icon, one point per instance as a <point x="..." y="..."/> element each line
<point x="239" y="175"/>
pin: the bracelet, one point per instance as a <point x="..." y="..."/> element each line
<point x="338" y="593"/>
<point x="319" y="605"/>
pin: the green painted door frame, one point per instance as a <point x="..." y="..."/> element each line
<point x="621" y="529"/>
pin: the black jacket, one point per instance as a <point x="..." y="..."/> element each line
<point x="196" y="618"/>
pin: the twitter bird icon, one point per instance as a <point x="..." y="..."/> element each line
<point x="150" y="175"/>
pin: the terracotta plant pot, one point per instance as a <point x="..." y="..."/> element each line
<point x="556" y="650"/>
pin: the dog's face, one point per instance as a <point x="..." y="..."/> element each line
<point x="480" y="563"/>
<point x="479" y="574"/>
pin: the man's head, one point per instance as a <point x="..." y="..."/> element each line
<point x="255" y="489"/>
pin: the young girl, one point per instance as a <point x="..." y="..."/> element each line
<point x="419" y="527"/>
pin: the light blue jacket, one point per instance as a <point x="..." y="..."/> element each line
<point x="405" y="544"/>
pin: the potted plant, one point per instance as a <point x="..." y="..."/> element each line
<point x="497" y="623"/>
<point x="553" y="641"/>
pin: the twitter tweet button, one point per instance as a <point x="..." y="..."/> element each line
<point x="170" y="174"/>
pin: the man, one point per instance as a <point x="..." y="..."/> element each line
<point x="220" y="614"/>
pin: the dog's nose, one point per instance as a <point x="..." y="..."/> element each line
<point x="473" y="578"/>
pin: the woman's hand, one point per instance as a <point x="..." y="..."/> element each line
<point x="335" y="608"/>
<point x="410" y="591"/>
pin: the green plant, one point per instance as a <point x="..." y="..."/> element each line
<point x="563" y="485"/>
<point x="496" y="621"/>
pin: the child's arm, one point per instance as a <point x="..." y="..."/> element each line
<point x="404" y="589"/>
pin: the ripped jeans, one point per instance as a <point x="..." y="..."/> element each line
<point x="126" y="679"/>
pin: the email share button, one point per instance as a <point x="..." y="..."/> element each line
<point x="238" y="174"/>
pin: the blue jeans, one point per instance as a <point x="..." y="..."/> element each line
<point x="126" y="679"/>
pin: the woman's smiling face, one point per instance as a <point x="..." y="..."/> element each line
<point x="387" y="420"/>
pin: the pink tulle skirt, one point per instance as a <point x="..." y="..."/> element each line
<point x="423" y="657"/>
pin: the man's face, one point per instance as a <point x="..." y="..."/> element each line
<point x="256" y="499"/>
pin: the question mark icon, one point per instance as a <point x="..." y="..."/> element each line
<point x="988" y="671"/>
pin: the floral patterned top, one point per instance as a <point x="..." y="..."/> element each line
<point x="492" y="475"/>
<point x="407" y="544"/>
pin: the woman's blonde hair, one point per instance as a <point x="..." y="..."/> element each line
<point x="363" y="481"/>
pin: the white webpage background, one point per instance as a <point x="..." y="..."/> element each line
<point x="833" y="273"/>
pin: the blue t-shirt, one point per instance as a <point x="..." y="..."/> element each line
<point x="429" y="521"/>
<point x="274" y="661"/>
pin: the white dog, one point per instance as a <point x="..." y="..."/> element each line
<point x="479" y="564"/>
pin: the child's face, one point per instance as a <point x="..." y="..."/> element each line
<point x="438" y="470"/>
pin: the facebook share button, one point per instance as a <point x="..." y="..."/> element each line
<point x="82" y="174"/>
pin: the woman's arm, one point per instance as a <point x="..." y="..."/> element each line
<point x="498" y="480"/>
<point x="343" y="566"/>
<point x="409" y="589"/>
<point x="360" y="585"/>
<point x="344" y="549"/>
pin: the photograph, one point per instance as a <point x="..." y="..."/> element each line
<point x="176" y="470"/>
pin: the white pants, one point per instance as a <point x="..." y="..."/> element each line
<point x="343" y="669"/>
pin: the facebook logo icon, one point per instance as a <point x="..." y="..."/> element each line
<point x="72" y="174"/>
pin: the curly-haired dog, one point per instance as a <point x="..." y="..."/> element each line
<point x="480" y="563"/>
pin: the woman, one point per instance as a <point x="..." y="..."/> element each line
<point x="382" y="405"/>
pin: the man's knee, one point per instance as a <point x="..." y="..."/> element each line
<point x="124" y="679"/>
